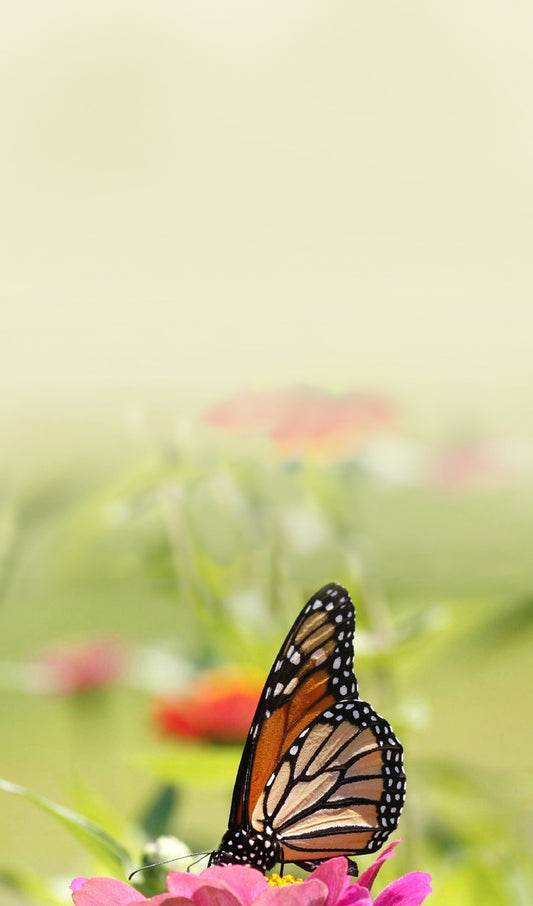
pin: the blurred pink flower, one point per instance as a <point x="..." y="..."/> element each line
<point x="472" y="464"/>
<point x="79" y="667"/>
<point x="249" y="412"/>
<point x="238" y="885"/>
<point x="306" y="421"/>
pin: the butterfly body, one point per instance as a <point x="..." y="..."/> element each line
<point x="249" y="847"/>
<point x="321" y="774"/>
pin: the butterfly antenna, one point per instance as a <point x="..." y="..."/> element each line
<point x="166" y="861"/>
<point x="200" y="857"/>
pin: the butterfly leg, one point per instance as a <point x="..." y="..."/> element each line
<point x="311" y="864"/>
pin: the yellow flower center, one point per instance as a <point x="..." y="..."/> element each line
<point x="278" y="881"/>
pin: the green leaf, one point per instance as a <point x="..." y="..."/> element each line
<point x="99" y="812"/>
<point x="201" y="766"/>
<point x="509" y="624"/>
<point x="156" y="817"/>
<point x="32" y="886"/>
<point x="99" y="841"/>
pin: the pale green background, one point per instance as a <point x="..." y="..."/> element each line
<point x="207" y="196"/>
<point x="200" y="196"/>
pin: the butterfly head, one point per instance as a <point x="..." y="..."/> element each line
<point x="247" y="847"/>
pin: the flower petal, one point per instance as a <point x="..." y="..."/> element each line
<point x="334" y="874"/>
<point x="411" y="890"/>
<point x="310" y="893"/>
<point x="368" y="877"/>
<point x="355" y="896"/>
<point x="245" y="882"/>
<point x="168" y="899"/>
<point x="185" y="884"/>
<point x="108" y="891"/>
<point x="202" y="891"/>
<point x="215" y="896"/>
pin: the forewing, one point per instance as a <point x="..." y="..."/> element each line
<point x="313" y="670"/>
<point x="340" y="787"/>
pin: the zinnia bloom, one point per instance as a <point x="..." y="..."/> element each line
<point x="470" y="465"/>
<point x="302" y="421"/>
<point x="78" y="667"/>
<point x="219" y="708"/>
<point x="238" y="885"/>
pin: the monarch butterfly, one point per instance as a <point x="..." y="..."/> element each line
<point x="321" y="773"/>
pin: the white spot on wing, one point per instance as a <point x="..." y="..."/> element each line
<point x="318" y="656"/>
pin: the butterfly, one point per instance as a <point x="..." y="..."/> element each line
<point x="321" y="774"/>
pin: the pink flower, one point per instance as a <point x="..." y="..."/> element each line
<point x="78" y="667"/>
<point x="302" y="421"/>
<point x="249" y="412"/>
<point x="470" y="465"/>
<point x="323" y="423"/>
<point x="238" y="885"/>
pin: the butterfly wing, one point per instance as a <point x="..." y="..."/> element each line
<point x="313" y="671"/>
<point x="339" y="788"/>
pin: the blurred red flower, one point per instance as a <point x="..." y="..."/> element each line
<point x="301" y="421"/>
<point x="219" y="708"/>
<point x="78" y="667"/>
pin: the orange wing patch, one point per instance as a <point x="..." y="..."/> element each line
<point x="326" y="847"/>
<point x="281" y="729"/>
<point x="300" y="685"/>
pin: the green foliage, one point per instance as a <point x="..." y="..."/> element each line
<point x="155" y="819"/>
<point x="202" y="558"/>
<point x="201" y="766"/>
<point x="108" y="850"/>
<point x="32" y="886"/>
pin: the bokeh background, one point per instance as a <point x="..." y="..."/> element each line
<point x="265" y="322"/>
